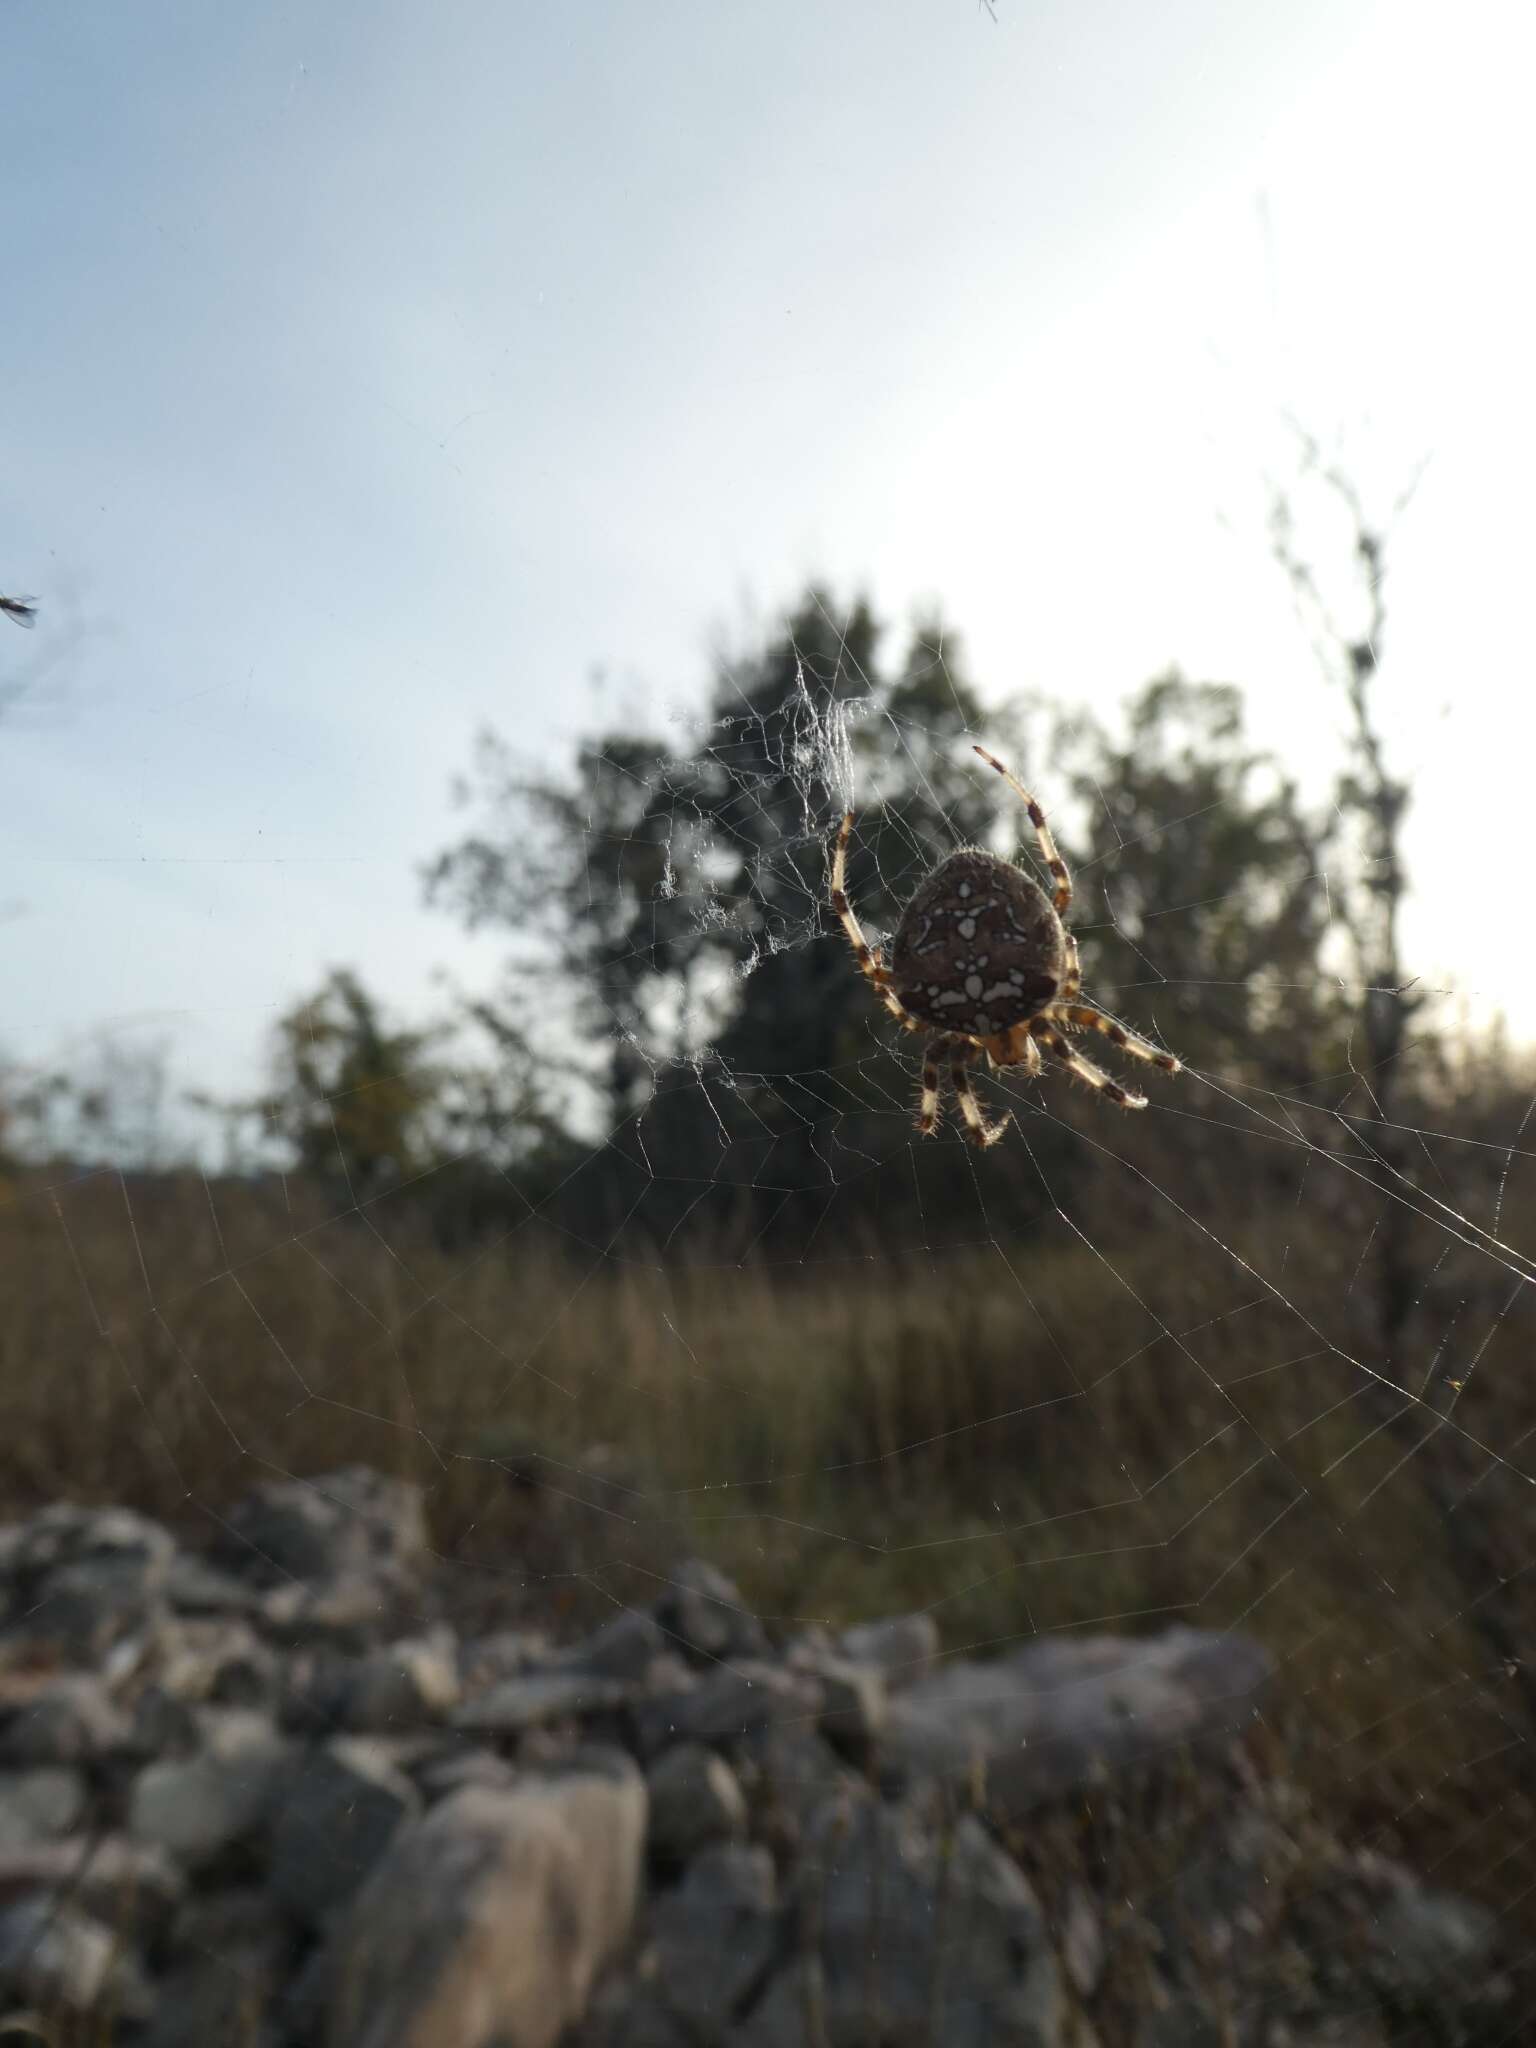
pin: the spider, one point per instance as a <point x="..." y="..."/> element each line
<point x="982" y="962"/>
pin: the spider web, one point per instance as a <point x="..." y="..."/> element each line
<point x="1119" y="1372"/>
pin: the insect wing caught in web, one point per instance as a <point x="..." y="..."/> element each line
<point x="22" y="609"/>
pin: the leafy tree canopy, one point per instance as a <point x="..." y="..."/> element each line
<point x="679" y="900"/>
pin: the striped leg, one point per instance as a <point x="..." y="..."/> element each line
<point x="842" y="909"/>
<point x="928" y="1107"/>
<point x="1048" y="849"/>
<point x="889" y="998"/>
<point x="977" y="1129"/>
<point x="1085" y="1070"/>
<point x="1072" y="987"/>
<point x="1080" y="1017"/>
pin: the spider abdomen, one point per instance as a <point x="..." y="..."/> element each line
<point x="979" y="948"/>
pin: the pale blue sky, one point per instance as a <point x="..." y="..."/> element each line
<point x="370" y="373"/>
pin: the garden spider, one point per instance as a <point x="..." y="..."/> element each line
<point x="982" y="962"/>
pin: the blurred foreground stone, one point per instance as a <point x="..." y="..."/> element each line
<point x="488" y="1921"/>
<point x="268" y="1795"/>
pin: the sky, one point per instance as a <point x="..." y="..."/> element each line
<point x="368" y="375"/>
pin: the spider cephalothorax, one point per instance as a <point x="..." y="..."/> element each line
<point x="981" y="962"/>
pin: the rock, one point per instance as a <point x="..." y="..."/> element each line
<point x="394" y="1691"/>
<point x="703" y="1614"/>
<point x="453" y="1870"/>
<point x="162" y="1726"/>
<point x="229" y="1917"/>
<point x="339" y="1808"/>
<point x="695" y="1800"/>
<point x="488" y="1920"/>
<point x="196" y="1588"/>
<point x="65" y="1535"/>
<point x="789" y="1774"/>
<point x="1182" y="2020"/>
<point x="200" y="1808"/>
<point x="667" y="1675"/>
<point x="1037" y="1724"/>
<point x="36" y="1805"/>
<point x="131" y="1887"/>
<point x="626" y="2015"/>
<point x="853" y="1704"/>
<point x="1420" y="1940"/>
<point x="625" y="1647"/>
<point x="345" y="1613"/>
<point x="233" y="1957"/>
<point x="714" y="1938"/>
<point x="485" y="1661"/>
<point x="81" y="1579"/>
<point x="903" y="1649"/>
<point x="217" y="1661"/>
<point x="58" y="1959"/>
<point x="86" y="1609"/>
<point x="541" y="1697"/>
<point x="1080" y="1940"/>
<point x="69" y="1719"/>
<point x="445" y="1771"/>
<point x="340" y="1524"/>
<point x="910" y="1937"/>
<point x="728" y="1704"/>
<point x="402" y="1685"/>
<point x="1350" y="2030"/>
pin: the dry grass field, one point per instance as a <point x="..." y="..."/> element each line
<point x="1063" y="1434"/>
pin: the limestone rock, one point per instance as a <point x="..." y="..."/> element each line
<point x="69" y="1719"/>
<point x="81" y="1579"/>
<point x="703" y="1613"/>
<point x="696" y="1800"/>
<point x="60" y="1960"/>
<point x="487" y="1922"/>
<point x="339" y="1523"/>
<point x="132" y="1887"/>
<point x="625" y="1647"/>
<point x="903" y="1648"/>
<point x="199" y="1808"/>
<point x="39" y="1804"/>
<point x="732" y="1702"/>
<point x="339" y="1808"/>
<point x="715" y="1937"/>
<point x="541" y="1697"/>
<point x="233" y="1957"/>
<point x="908" y="1936"/>
<point x="1032" y="1726"/>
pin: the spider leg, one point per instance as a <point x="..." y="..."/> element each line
<point x="842" y="910"/>
<point x="977" y="1129"/>
<point x="1073" y="984"/>
<point x="1048" y="848"/>
<point x="1085" y="1070"/>
<point x="1081" y="1017"/>
<point x="1013" y="1048"/>
<point x="928" y="1107"/>
<point x="890" y="999"/>
<point x="870" y="958"/>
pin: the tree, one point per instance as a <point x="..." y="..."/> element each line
<point x="362" y="1107"/>
<point x="677" y="898"/>
<point x="1198" y="877"/>
<point x="111" y="1109"/>
<point x="1487" y="1547"/>
<point x="356" y="1102"/>
<point x="684" y="902"/>
<point x="670" y="892"/>
<point x="1374" y="803"/>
